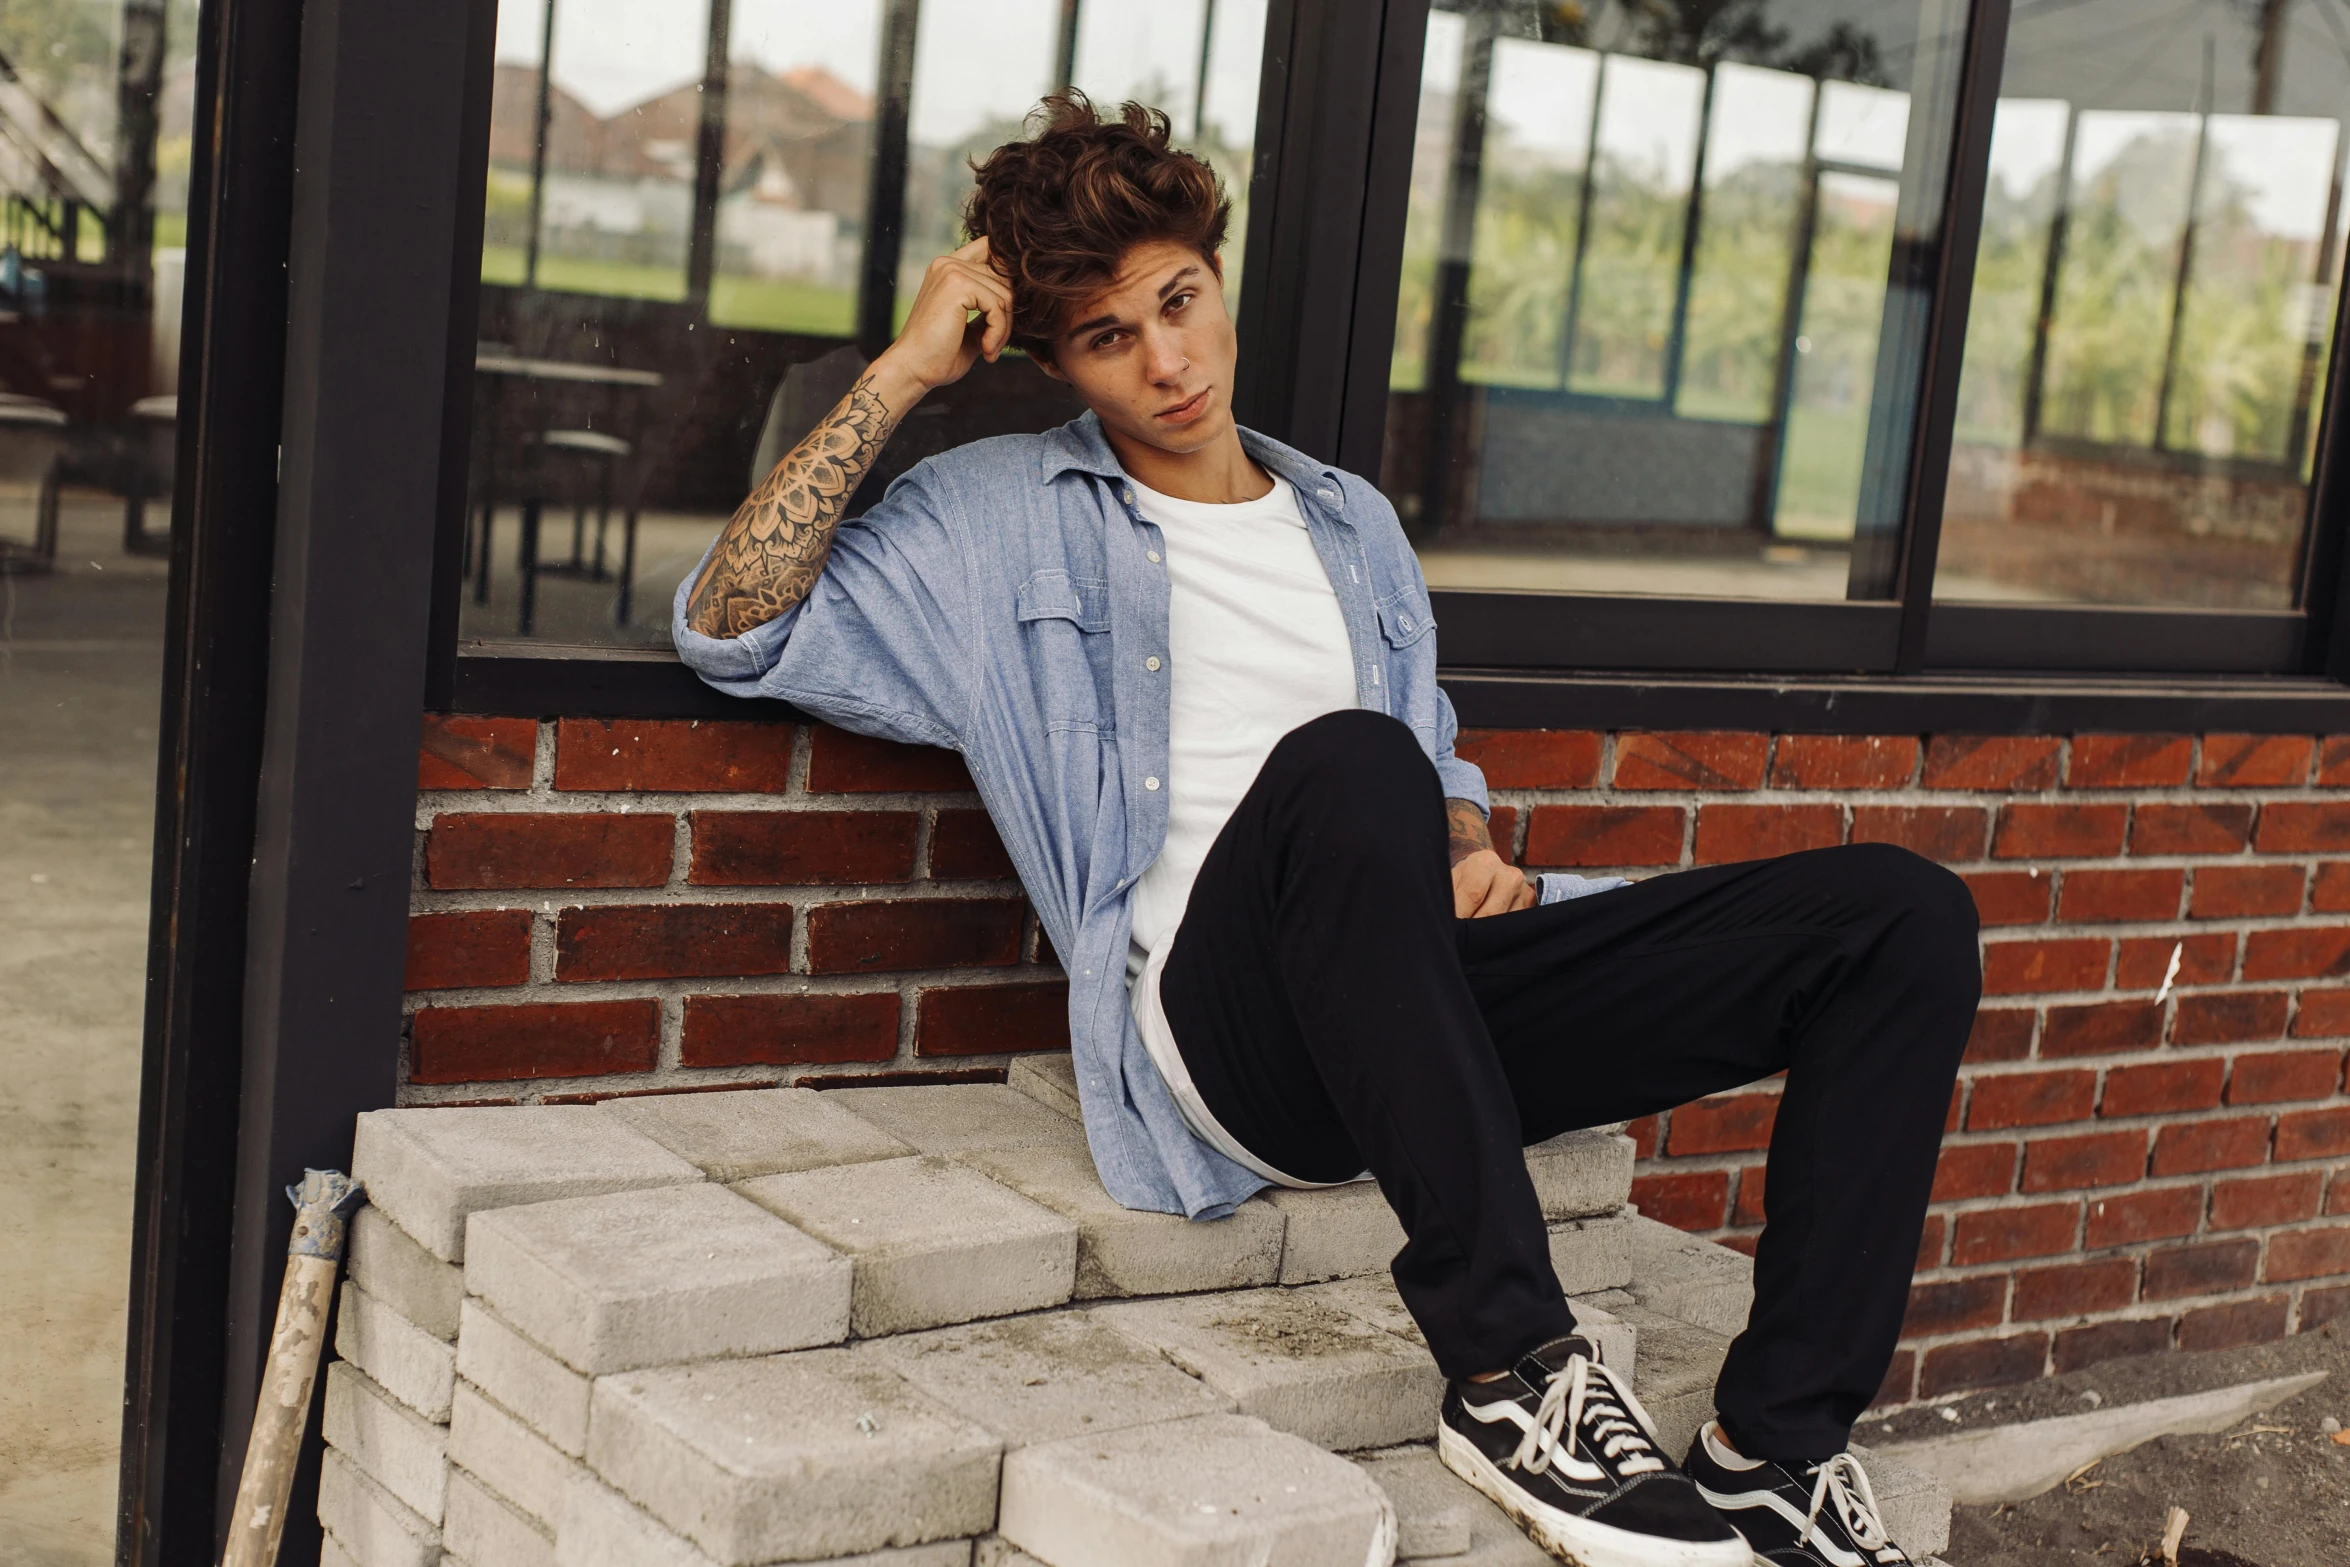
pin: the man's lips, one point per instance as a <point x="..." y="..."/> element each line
<point x="1188" y="410"/>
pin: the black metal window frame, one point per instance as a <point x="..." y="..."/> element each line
<point x="1337" y="104"/>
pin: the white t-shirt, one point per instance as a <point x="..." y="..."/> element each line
<point x="1255" y="647"/>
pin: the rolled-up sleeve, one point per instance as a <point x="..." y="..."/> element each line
<point x="1463" y="780"/>
<point x="886" y="642"/>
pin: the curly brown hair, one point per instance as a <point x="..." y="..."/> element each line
<point x="1060" y="210"/>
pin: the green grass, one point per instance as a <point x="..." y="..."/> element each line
<point x="783" y="305"/>
<point x="763" y="304"/>
<point x="572" y="275"/>
<point x="1819" y="488"/>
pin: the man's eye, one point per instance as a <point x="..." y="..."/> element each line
<point x="1180" y="300"/>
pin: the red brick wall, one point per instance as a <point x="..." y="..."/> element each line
<point x="625" y="906"/>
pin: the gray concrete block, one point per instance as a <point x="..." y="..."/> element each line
<point x="1592" y="1254"/>
<point x="541" y="1391"/>
<point x="427" y="1169"/>
<point x="1124" y="1252"/>
<point x="753" y="1132"/>
<point x="993" y="1550"/>
<point x="482" y="1526"/>
<point x="1299" y="1364"/>
<point x="1435" y="1510"/>
<point x="405" y="1361"/>
<point x="1913" y="1504"/>
<point x="1373" y="1298"/>
<point x="509" y="1457"/>
<point x="1489" y="1539"/>
<point x="952" y="1118"/>
<point x="1617" y="1341"/>
<point x="793" y="1458"/>
<point x="933" y="1242"/>
<point x="1581" y="1174"/>
<point x="332" y="1554"/>
<point x="1336" y="1232"/>
<point x="605" y="1529"/>
<point x="601" y="1528"/>
<point x="1701" y="1283"/>
<point x="375" y="1527"/>
<point x="397" y="1448"/>
<point x="1049" y="1078"/>
<point x="1042" y="1378"/>
<point x="1674" y="1375"/>
<point x="658" y="1277"/>
<point x="386" y="1261"/>
<point x="1203" y="1492"/>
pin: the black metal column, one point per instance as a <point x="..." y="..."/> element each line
<point x="1331" y="73"/>
<point x="379" y="141"/>
<point x="214" y="685"/>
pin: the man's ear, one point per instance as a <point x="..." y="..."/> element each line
<point x="1048" y="367"/>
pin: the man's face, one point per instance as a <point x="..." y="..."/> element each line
<point x="1152" y="352"/>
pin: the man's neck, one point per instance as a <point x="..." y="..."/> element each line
<point x="1219" y="474"/>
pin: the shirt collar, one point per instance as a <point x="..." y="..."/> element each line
<point x="1080" y="447"/>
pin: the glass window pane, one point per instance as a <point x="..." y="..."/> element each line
<point x="673" y="273"/>
<point x="2154" y="295"/>
<point x="799" y="154"/>
<point x="1650" y="336"/>
<point x="97" y="118"/>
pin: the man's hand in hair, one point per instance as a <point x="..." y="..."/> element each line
<point x="1482" y="881"/>
<point x="943" y="336"/>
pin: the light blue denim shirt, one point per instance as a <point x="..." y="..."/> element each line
<point x="1001" y="600"/>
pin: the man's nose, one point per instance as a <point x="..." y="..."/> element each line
<point x="1164" y="359"/>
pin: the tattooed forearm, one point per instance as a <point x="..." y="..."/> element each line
<point x="1465" y="829"/>
<point x="771" y="554"/>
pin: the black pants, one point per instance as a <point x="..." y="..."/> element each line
<point x="1336" y="1017"/>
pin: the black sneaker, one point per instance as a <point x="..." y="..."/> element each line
<point x="1566" y="1450"/>
<point x="1809" y="1515"/>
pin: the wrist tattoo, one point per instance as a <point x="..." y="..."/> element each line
<point x="775" y="547"/>
<point x="1465" y="830"/>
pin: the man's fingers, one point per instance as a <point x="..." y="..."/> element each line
<point x="1500" y="896"/>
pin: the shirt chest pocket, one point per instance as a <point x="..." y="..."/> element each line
<point x="1065" y="633"/>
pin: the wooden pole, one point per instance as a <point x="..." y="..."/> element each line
<point x="314" y="1255"/>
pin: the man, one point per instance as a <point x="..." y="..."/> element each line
<point x="1193" y="674"/>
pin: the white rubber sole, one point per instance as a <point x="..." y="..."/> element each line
<point x="1580" y="1542"/>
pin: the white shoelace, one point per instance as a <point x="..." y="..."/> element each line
<point x="1839" y="1478"/>
<point x="1567" y="1396"/>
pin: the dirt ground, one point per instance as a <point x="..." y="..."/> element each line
<point x="2273" y="1491"/>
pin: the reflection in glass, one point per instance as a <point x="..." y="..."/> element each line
<point x="1652" y="325"/>
<point x="97" y="110"/>
<point x="603" y="202"/>
<point x="684" y="272"/>
<point x="798" y="164"/>
<point x="2154" y="293"/>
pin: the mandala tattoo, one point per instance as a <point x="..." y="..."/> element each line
<point x="774" y="549"/>
<point x="1465" y="830"/>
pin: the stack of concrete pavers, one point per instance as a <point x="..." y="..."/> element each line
<point x="906" y="1326"/>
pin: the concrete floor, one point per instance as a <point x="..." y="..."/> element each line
<point x="80" y="670"/>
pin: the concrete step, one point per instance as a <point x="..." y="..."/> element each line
<point x="932" y="1242"/>
<point x="1300" y="1364"/>
<point x="599" y="1336"/>
<point x="658" y="1277"/>
<point x="1202" y="1492"/>
<point x="791" y="1457"/>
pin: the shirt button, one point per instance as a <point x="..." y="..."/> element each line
<point x="1328" y="495"/>
<point x="1151" y="784"/>
<point x="1152" y="556"/>
<point x="1405" y="621"/>
<point x="1129" y="496"/>
<point x="1151" y="664"/>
